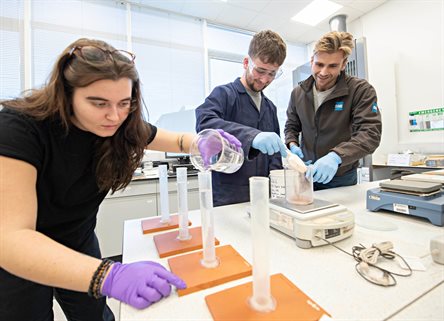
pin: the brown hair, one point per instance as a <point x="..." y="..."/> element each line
<point x="116" y="157"/>
<point x="335" y="41"/>
<point x="269" y="47"/>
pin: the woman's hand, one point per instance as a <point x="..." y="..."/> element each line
<point x="140" y="284"/>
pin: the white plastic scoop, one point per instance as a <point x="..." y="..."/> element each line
<point x="294" y="162"/>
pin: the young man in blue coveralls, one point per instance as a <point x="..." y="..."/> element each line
<point x="241" y="109"/>
<point x="332" y="118"/>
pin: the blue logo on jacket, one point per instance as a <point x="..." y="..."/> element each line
<point x="374" y="107"/>
<point x="339" y="106"/>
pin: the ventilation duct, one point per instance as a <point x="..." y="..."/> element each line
<point x="337" y="23"/>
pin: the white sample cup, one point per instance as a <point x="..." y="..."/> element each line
<point x="277" y="183"/>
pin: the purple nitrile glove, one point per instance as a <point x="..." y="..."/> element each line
<point x="325" y="168"/>
<point x="230" y="138"/>
<point x="140" y="284"/>
<point x="211" y="146"/>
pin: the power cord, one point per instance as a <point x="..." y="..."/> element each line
<point x="371" y="254"/>
<point x="367" y="259"/>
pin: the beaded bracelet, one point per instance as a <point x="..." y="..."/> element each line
<point x="98" y="277"/>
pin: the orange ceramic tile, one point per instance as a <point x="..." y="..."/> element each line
<point x="151" y="225"/>
<point x="232" y="266"/>
<point x="168" y="244"/>
<point x="291" y="303"/>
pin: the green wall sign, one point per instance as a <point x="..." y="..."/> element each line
<point x="426" y="120"/>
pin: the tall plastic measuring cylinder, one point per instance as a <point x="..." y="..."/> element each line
<point x="261" y="300"/>
<point x="209" y="259"/>
<point x="182" y="200"/>
<point x="163" y="187"/>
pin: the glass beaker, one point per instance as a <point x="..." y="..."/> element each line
<point x="298" y="188"/>
<point x="209" y="150"/>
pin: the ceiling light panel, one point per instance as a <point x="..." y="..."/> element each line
<point x="316" y="11"/>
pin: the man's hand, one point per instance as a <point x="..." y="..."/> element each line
<point x="269" y="143"/>
<point x="325" y="168"/>
<point x="295" y="149"/>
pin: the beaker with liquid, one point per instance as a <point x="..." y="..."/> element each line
<point x="298" y="187"/>
<point x="210" y="150"/>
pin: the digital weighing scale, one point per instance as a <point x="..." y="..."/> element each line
<point x="429" y="207"/>
<point x="304" y="223"/>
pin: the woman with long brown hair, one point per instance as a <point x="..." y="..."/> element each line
<point x="62" y="149"/>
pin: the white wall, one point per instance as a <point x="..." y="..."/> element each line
<point x="406" y="66"/>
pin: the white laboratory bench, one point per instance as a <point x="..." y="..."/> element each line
<point x="383" y="171"/>
<point x="324" y="273"/>
<point x="141" y="198"/>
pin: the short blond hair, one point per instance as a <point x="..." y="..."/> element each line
<point x="334" y="41"/>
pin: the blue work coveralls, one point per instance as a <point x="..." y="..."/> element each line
<point x="229" y="107"/>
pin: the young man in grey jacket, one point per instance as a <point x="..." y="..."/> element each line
<point x="333" y="119"/>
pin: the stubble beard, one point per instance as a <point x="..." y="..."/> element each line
<point x="250" y="83"/>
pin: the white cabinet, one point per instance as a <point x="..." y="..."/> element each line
<point x="136" y="201"/>
<point x="140" y="199"/>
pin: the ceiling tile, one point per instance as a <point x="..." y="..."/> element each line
<point x="366" y="6"/>
<point x="262" y="22"/>
<point x="258" y="15"/>
<point x="256" y="6"/>
<point x="204" y="8"/>
<point x="235" y="16"/>
<point x="344" y="2"/>
<point x="173" y="6"/>
<point x="284" y="9"/>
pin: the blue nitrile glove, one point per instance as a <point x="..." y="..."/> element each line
<point x="325" y="168"/>
<point x="140" y="284"/>
<point x="211" y="146"/>
<point x="297" y="151"/>
<point x="309" y="172"/>
<point x="269" y="143"/>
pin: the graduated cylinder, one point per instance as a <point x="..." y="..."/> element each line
<point x="182" y="200"/>
<point x="163" y="188"/>
<point x="261" y="299"/>
<point x="209" y="259"/>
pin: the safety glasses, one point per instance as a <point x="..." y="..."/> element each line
<point x="94" y="54"/>
<point x="260" y="72"/>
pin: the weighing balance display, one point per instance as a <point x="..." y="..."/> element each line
<point x="304" y="223"/>
<point x="430" y="207"/>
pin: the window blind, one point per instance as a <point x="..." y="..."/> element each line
<point x="11" y="74"/>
